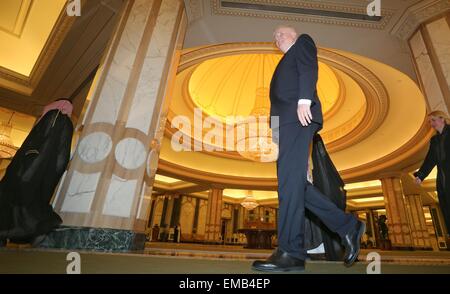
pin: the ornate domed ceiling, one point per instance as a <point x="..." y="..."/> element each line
<point x="227" y="86"/>
<point x="374" y="114"/>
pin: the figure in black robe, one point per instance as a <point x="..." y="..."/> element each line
<point x="439" y="155"/>
<point x="32" y="176"/>
<point x="326" y="178"/>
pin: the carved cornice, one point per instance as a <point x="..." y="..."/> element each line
<point x="417" y="14"/>
<point x="360" y="9"/>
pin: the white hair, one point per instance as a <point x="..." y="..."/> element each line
<point x="285" y="26"/>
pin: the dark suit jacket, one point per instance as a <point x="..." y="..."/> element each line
<point x="295" y="78"/>
<point x="438" y="155"/>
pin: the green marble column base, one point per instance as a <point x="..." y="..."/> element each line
<point x="97" y="239"/>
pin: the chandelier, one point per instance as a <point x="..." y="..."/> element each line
<point x="249" y="201"/>
<point x="257" y="143"/>
<point x="7" y="148"/>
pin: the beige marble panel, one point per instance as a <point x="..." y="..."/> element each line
<point x="440" y="38"/>
<point x="427" y="74"/>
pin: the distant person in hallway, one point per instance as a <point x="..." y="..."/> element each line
<point x="26" y="215"/>
<point x="439" y="155"/>
<point x="294" y="100"/>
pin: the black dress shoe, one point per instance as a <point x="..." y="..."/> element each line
<point x="352" y="242"/>
<point x="279" y="261"/>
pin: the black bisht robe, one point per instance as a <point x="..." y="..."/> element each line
<point x="439" y="155"/>
<point x="31" y="178"/>
<point x="326" y="178"/>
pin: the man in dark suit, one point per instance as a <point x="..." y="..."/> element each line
<point x="296" y="106"/>
<point x="439" y="156"/>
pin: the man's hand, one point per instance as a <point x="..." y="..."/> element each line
<point x="418" y="181"/>
<point x="304" y="114"/>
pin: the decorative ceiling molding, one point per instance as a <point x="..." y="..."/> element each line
<point x="219" y="9"/>
<point x="357" y="128"/>
<point x="417" y="14"/>
<point x="363" y="172"/>
<point x="194" y="9"/>
<point x="377" y="168"/>
<point x="26" y="84"/>
<point x="20" y="20"/>
<point x="220" y="181"/>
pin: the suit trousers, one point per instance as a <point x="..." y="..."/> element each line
<point x="295" y="193"/>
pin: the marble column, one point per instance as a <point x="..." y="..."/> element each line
<point x="419" y="231"/>
<point x="430" y="48"/>
<point x="213" y="216"/>
<point x="105" y="195"/>
<point x="398" y="222"/>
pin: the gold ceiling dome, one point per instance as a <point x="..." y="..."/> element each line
<point x="235" y="89"/>
<point x="374" y="115"/>
<point x="227" y="86"/>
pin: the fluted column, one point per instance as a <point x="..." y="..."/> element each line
<point x="430" y="47"/>
<point x="419" y="231"/>
<point x="109" y="181"/>
<point x="214" y="215"/>
<point x="398" y="223"/>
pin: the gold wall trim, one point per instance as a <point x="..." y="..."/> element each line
<point x="374" y="169"/>
<point x="220" y="181"/>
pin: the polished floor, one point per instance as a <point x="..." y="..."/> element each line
<point x="167" y="258"/>
<point x="53" y="262"/>
<point x="238" y="252"/>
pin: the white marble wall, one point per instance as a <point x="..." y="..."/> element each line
<point x="119" y="197"/>
<point x="151" y="75"/>
<point x="439" y="31"/>
<point x="94" y="147"/>
<point x="81" y="192"/>
<point x="117" y="77"/>
<point x="130" y="153"/>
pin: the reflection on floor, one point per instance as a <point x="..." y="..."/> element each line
<point x="169" y="258"/>
<point x="238" y="252"/>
